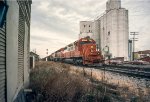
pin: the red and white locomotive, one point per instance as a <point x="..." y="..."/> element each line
<point x="82" y="51"/>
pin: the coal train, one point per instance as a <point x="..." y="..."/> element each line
<point x="81" y="52"/>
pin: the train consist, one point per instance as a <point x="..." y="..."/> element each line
<point x="82" y="51"/>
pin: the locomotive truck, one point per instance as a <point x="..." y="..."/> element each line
<point x="82" y="51"/>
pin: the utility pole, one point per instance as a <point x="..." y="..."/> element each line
<point x="47" y="54"/>
<point x="133" y="41"/>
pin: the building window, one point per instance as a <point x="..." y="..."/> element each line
<point x="84" y="26"/>
<point x="89" y="26"/>
<point x="3" y="11"/>
<point x="89" y="30"/>
<point x="109" y="33"/>
<point x="103" y="28"/>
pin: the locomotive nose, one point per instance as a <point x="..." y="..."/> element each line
<point x="91" y="49"/>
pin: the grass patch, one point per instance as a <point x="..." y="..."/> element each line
<point x="56" y="82"/>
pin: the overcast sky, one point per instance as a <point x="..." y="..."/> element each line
<point x="55" y="23"/>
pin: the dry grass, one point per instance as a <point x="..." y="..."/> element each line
<point x="57" y="82"/>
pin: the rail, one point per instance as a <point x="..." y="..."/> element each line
<point x="137" y="71"/>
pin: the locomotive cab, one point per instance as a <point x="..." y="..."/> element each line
<point x="88" y="49"/>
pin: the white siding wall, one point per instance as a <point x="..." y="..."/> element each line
<point x="26" y="56"/>
<point x="3" y="64"/>
<point x="12" y="55"/>
<point x="12" y="50"/>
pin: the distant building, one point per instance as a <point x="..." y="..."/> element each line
<point x="147" y="59"/>
<point x="14" y="50"/>
<point x="141" y="54"/>
<point x="111" y="30"/>
<point x="33" y="59"/>
<point x="36" y="56"/>
<point x="47" y="58"/>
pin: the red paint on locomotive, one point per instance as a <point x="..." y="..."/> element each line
<point x="81" y="51"/>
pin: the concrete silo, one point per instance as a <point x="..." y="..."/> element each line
<point x="110" y="30"/>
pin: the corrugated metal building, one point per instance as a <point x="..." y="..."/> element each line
<point x="111" y="30"/>
<point x="3" y="63"/>
<point x="14" y="50"/>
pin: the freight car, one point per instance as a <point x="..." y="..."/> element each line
<point x="82" y="51"/>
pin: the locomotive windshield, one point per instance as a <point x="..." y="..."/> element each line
<point x="87" y="42"/>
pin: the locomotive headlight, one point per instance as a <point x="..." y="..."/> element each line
<point x="92" y="47"/>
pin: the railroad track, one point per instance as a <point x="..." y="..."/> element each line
<point x="136" y="71"/>
<point x="128" y="70"/>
